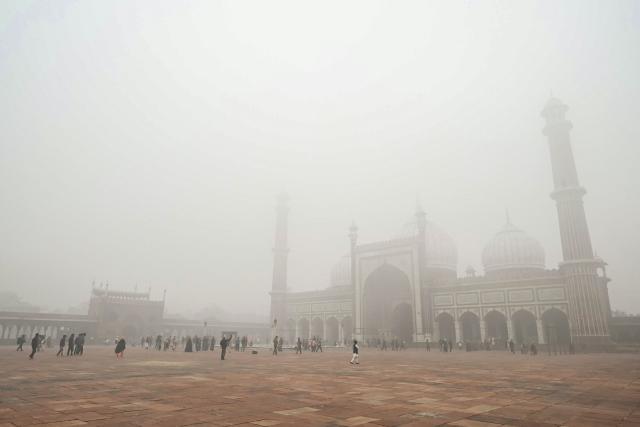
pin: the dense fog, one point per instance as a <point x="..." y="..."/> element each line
<point x="144" y="143"/>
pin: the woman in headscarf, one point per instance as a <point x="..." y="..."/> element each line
<point x="120" y="346"/>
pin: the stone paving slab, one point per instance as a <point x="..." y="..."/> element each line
<point x="410" y="388"/>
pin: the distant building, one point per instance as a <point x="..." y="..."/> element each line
<point x="114" y="314"/>
<point x="408" y="287"/>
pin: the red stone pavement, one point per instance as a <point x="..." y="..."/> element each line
<point x="410" y="388"/>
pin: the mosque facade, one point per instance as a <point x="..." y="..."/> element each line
<point x="408" y="287"/>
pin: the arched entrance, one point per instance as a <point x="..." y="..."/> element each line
<point x="556" y="327"/>
<point x="470" y="327"/>
<point x="525" y="329"/>
<point x="386" y="302"/>
<point x="347" y="329"/>
<point x="496" y="326"/>
<point x="333" y="330"/>
<point x="291" y="331"/>
<point x="402" y="322"/>
<point x="446" y="327"/>
<point x="303" y="328"/>
<point x="317" y="328"/>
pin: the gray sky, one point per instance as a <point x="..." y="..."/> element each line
<point x="144" y="142"/>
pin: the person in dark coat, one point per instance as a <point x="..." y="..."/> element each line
<point x="188" y="347"/>
<point x="63" y="341"/>
<point x="71" y="344"/>
<point x="20" y="341"/>
<point x="120" y="346"/>
<point x="224" y="343"/>
<point x="275" y="345"/>
<point x="34" y="345"/>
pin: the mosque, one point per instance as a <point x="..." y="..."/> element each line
<point x="408" y="287"/>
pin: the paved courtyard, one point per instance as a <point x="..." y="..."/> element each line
<point x="411" y="388"/>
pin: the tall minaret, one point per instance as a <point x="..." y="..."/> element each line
<point x="279" y="282"/>
<point x="589" y="310"/>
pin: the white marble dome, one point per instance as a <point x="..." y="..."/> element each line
<point x="441" y="251"/>
<point x="341" y="272"/>
<point x="512" y="249"/>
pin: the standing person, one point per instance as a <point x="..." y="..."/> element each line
<point x="20" y="341"/>
<point x="319" y="345"/>
<point x="71" y="344"/>
<point x="299" y="346"/>
<point x="428" y="345"/>
<point x="188" y="348"/>
<point x="120" y="346"/>
<point x="63" y="340"/>
<point x="275" y="346"/>
<point x="356" y="357"/>
<point x="512" y="347"/>
<point x="224" y="343"/>
<point x="213" y="343"/>
<point x="34" y="344"/>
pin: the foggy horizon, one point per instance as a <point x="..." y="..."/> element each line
<point x="144" y="144"/>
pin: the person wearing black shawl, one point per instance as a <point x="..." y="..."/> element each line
<point x="120" y="346"/>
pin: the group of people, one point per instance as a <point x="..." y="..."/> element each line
<point x="160" y="343"/>
<point x="395" y="343"/>
<point x="74" y="344"/>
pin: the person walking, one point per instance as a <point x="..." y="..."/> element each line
<point x="356" y="357"/>
<point x="224" y="343"/>
<point x="120" y="346"/>
<point x="34" y="345"/>
<point x="20" y="341"/>
<point x="275" y="345"/>
<point x="299" y="346"/>
<point x="71" y="344"/>
<point x="63" y="341"/>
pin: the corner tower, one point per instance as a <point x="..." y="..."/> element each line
<point x="279" y="281"/>
<point x="588" y="310"/>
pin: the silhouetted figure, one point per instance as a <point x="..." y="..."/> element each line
<point x="71" y="344"/>
<point x="63" y="341"/>
<point x="120" y="346"/>
<point x="299" y="346"/>
<point x="275" y="346"/>
<point x="533" y="349"/>
<point x="512" y="347"/>
<point x="428" y="344"/>
<point x="34" y="345"/>
<point x="188" y="348"/>
<point x="224" y="343"/>
<point x="213" y="343"/>
<point x="20" y="341"/>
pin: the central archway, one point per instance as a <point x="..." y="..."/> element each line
<point x="387" y="309"/>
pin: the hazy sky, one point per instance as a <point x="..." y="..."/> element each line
<point x="144" y="142"/>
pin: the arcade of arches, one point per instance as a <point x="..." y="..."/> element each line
<point x="523" y="327"/>
<point x="331" y="330"/>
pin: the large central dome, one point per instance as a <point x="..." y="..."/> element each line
<point x="440" y="251"/>
<point x="511" y="249"/>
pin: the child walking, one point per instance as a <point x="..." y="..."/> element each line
<point x="356" y="358"/>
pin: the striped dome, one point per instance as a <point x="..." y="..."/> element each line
<point x="512" y="249"/>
